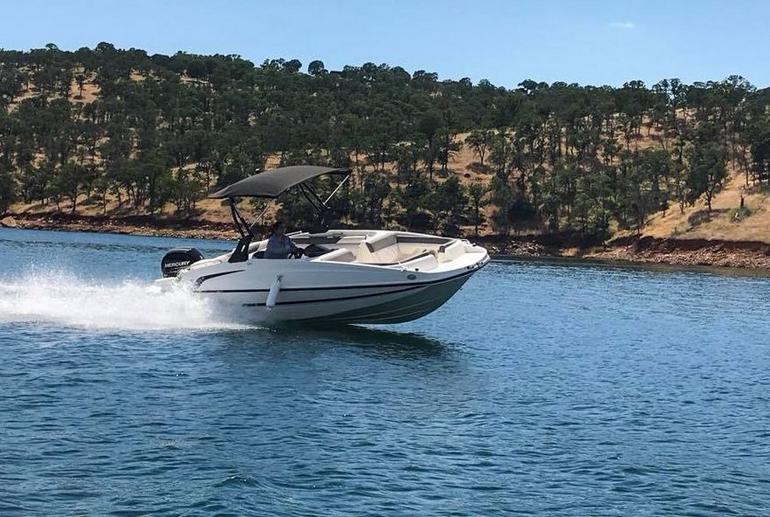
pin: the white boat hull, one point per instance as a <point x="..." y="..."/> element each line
<point x="383" y="304"/>
<point x="330" y="292"/>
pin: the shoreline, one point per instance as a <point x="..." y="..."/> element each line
<point x="751" y="255"/>
<point x="125" y="225"/>
<point x="747" y="255"/>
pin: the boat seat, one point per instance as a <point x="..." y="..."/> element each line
<point x="338" y="255"/>
<point x="380" y="249"/>
<point x="451" y="251"/>
<point x="379" y="242"/>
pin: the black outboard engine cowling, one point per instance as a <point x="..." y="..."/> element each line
<point x="177" y="259"/>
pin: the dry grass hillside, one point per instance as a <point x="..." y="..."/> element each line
<point x="726" y="221"/>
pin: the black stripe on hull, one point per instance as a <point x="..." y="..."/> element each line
<point x="203" y="278"/>
<point x="338" y="299"/>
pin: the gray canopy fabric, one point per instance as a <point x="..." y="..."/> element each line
<point x="274" y="182"/>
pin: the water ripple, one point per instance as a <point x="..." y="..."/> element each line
<point x="542" y="388"/>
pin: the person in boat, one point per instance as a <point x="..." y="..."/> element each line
<point x="279" y="245"/>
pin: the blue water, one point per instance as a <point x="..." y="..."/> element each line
<point x="541" y="388"/>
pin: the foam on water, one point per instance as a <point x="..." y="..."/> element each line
<point x="63" y="298"/>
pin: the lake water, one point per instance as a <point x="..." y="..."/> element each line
<point x="541" y="388"/>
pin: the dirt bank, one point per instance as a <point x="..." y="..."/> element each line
<point x="652" y="250"/>
<point x="132" y="225"/>
<point x="685" y="252"/>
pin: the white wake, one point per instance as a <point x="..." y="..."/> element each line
<point x="62" y="298"/>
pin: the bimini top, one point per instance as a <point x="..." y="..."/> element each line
<point x="274" y="182"/>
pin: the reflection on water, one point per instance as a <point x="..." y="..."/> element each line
<point x="314" y="338"/>
<point x="370" y="337"/>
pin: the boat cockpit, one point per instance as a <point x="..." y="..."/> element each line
<point x="371" y="247"/>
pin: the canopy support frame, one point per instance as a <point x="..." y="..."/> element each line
<point x="240" y="253"/>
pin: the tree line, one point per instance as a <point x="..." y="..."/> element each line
<point x="165" y="130"/>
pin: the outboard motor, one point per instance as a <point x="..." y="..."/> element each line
<point x="177" y="259"/>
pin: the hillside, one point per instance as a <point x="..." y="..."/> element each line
<point x="120" y="139"/>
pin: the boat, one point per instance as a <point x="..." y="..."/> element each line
<point x="344" y="275"/>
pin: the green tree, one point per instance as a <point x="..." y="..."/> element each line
<point x="68" y="182"/>
<point x="448" y="202"/>
<point x="7" y="189"/>
<point x="477" y="193"/>
<point x="316" y="68"/>
<point x="429" y="126"/>
<point x="707" y="170"/>
<point x="188" y="188"/>
<point x="480" y="140"/>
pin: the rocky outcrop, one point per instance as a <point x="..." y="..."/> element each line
<point x="686" y="252"/>
<point x="8" y="222"/>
